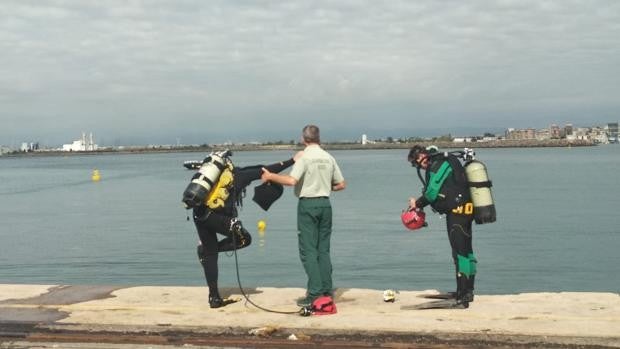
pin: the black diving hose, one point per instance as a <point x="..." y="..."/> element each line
<point x="247" y="298"/>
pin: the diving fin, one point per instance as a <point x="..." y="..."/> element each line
<point x="230" y="300"/>
<point x="441" y="304"/>
<point x="442" y="295"/>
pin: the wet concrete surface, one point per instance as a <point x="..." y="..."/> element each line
<point x="57" y="295"/>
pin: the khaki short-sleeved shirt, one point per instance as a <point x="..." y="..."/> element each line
<point x="316" y="171"/>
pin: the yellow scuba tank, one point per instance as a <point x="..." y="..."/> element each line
<point x="199" y="188"/>
<point x="480" y="190"/>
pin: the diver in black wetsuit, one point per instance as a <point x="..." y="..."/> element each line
<point x="447" y="191"/>
<point x="218" y="215"/>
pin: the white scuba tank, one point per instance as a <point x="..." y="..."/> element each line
<point x="209" y="172"/>
<point x="480" y="190"/>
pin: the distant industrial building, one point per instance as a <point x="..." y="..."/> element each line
<point x="28" y="147"/>
<point x="612" y="132"/>
<point x="82" y="144"/>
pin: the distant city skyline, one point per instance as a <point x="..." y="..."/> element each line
<point x="88" y="141"/>
<point x="159" y="72"/>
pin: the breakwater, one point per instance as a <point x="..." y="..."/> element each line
<point x="557" y="143"/>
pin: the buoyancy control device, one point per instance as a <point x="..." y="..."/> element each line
<point x="479" y="188"/>
<point x="221" y="190"/>
<point x="206" y="178"/>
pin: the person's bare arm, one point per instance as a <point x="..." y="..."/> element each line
<point x="277" y="178"/>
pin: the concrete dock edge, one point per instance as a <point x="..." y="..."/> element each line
<point x="163" y="315"/>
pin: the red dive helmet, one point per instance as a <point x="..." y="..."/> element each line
<point x="413" y="218"/>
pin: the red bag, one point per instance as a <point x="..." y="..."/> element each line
<point x="324" y="305"/>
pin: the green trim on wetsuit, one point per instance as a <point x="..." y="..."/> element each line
<point x="436" y="180"/>
<point x="464" y="266"/>
<point x="472" y="263"/>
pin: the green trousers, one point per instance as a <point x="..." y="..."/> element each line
<point x="314" y="222"/>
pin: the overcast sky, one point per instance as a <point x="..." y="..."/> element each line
<point x="198" y="71"/>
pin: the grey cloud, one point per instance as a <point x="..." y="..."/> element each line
<point x="192" y="62"/>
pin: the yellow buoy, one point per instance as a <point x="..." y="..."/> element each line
<point x="261" y="225"/>
<point x="95" y="176"/>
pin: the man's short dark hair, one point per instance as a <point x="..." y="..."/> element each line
<point x="311" y="134"/>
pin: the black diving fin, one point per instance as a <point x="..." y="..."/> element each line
<point x="440" y="304"/>
<point x="442" y="295"/>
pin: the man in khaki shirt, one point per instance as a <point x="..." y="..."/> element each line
<point x="315" y="175"/>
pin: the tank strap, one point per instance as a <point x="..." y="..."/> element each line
<point x="457" y="167"/>
<point x="485" y="184"/>
<point x="220" y="165"/>
<point x="206" y="179"/>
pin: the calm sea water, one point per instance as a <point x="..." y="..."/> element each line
<point x="557" y="227"/>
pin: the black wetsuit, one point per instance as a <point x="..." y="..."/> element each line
<point x="447" y="191"/>
<point x="210" y="222"/>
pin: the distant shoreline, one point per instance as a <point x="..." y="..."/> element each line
<point x="328" y="146"/>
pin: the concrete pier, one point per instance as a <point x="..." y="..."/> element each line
<point x="160" y="315"/>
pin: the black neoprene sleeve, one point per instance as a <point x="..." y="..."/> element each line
<point x="280" y="166"/>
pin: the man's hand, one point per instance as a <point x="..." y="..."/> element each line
<point x="412" y="202"/>
<point x="265" y="176"/>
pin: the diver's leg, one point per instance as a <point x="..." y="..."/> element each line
<point x="449" y="223"/>
<point x="208" y="257"/>
<point x="473" y="263"/>
<point x="236" y="236"/>
<point x="459" y="231"/>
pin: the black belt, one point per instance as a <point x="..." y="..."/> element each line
<point x="315" y="197"/>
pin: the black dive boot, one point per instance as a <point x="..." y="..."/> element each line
<point x="237" y="238"/>
<point x="469" y="291"/>
<point x="218" y="302"/>
<point x="467" y="294"/>
<point x="242" y="237"/>
<point x="215" y="301"/>
<point x="462" y="298"/>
